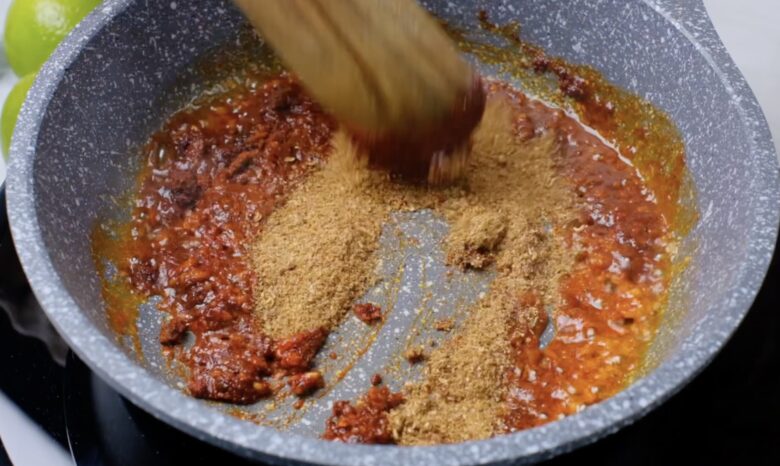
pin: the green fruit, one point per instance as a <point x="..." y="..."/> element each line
<point x="34" y="28"/>
<point x="11" y="108"/>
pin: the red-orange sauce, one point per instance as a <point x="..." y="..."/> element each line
<point x="365" y="421"/>
<point x="368" y="312"/>
<point x="212" y="175"/>
<point x="611" y="299"/>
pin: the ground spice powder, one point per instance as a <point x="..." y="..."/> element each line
<point x="316" y="255"/>
<point x="512" y="203"/>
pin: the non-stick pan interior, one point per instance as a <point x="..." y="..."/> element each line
<point x="128" y="79"/>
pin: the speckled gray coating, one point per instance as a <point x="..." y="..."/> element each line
<point x="104" y="91"/>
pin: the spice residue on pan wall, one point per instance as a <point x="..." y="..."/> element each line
<point x="578" y="230"/>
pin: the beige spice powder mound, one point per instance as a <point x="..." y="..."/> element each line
<point x="475" y="238"/>
<point x="462" y="392"/>
<point x="461" y="395"/>
<point x="316" y="255"/>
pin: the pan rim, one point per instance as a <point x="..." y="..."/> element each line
<point x="268" y="444"/>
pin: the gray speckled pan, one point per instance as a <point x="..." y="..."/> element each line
<point x="107" y="88"/>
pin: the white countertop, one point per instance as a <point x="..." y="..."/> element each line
<point x="749" y="28"/>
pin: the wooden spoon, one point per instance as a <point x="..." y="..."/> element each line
<point x="387" y="71"/>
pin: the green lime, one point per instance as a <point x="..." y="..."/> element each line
<point x="13" y="103"/>
<point x="34" y="28"/>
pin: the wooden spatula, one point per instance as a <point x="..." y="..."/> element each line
<point x="388" y="71"/>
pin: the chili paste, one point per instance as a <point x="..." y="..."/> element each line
<point x="212" y="175"/>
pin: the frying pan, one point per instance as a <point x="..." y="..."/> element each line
<point x="108" y="87"/>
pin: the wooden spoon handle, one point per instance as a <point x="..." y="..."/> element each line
<point x="378" y="65"/>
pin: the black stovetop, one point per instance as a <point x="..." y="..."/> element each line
<point x="729" y="415"/>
